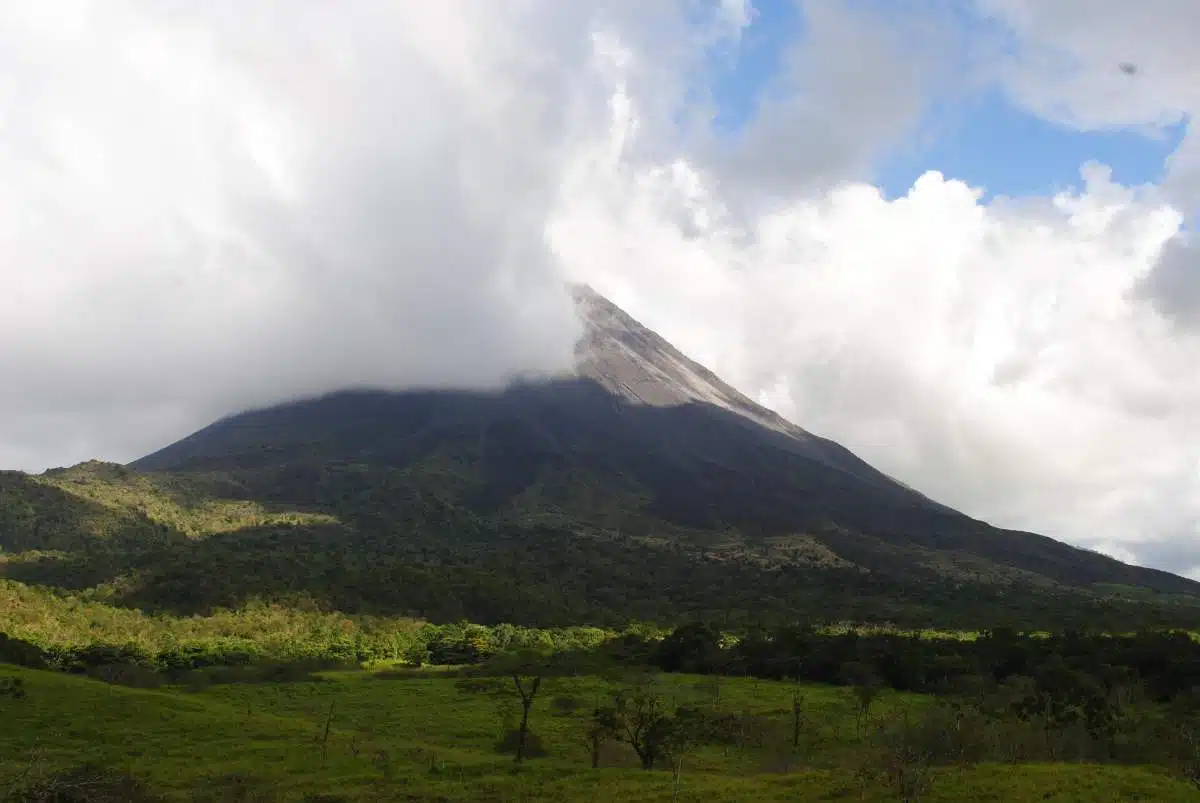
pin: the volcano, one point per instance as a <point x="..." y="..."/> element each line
<point x="638" y="486"/>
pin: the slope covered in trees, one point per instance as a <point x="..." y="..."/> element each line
<point x="390" y="543"/>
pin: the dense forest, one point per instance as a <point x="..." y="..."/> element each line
<point x="386" y="544"/>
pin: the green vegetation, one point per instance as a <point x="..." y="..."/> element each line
<point x="893" y="716"/>
<point x="60" y="625"/>
<point x="218" y="631"/>
<point x="386" y="543"/>
<point x="362" y="736"/>
<point x="439" y="598"/>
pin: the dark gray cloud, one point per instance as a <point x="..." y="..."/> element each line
<point x="1178" y="553"/>
<point x="1173" y="285"/>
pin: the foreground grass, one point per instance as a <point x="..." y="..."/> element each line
<point x="415" y="738"/>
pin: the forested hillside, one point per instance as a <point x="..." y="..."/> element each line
<point x="397" y="542"/>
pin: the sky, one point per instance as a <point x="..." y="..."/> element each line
<point x="956" y="236"/>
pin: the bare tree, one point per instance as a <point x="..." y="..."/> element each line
<point x="866" y="687"/>
<point x="797" y="716"/>
<point x="520" y="675"/>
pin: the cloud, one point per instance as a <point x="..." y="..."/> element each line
<point x="205" y="206"/>
<point x="854" y="85"/>
<point x="1173" y="286"/>
<point x="1063" y="62"/>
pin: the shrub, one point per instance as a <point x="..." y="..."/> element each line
<point x="566" y="705"/>
<point x="135" y="676"/>
<point x="12" y="688"/>
<point x="82" y="659"/>
<point x="87" y="783"/>
<point x="21" y="653"/>
<point x="533" y="744"/>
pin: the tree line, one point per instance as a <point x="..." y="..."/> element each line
<point x="1164" y="664"/>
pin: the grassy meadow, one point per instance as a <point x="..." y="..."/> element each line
<point x="401" y="735"/>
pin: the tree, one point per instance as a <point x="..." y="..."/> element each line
<point x="797" y="716"/>
<point x="1189" y="755"/>
<point x="866" y="687"/>
<point x="905" y="759"/>
<point x="522" y="674"/>
<point x="694" y="647"/>
<point x="641" y="718"/>
<point x="600" y="731"/>
<point x="1182" y="715"/>
<point x="681" y="733"/>
<point x="12" y="688"/>
<point x="21" y="653"/>
<point x="638" y="717"/>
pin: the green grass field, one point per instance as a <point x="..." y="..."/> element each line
<point x="422" y="738"/>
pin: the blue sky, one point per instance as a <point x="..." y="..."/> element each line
<point x="990" y="143"/>
<point x="984" y="140"/>
<point x="737" y="82"/>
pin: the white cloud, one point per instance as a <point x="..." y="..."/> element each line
<point x="210" y="205"/>
<point x="1001" y="357"/>
<point x="1065" y="62"/>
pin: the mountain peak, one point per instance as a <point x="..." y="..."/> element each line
<point x="638" y="365"/>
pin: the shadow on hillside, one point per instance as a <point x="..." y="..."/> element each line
<point x="38" y="516"/>
<point x="193" y="493"/>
